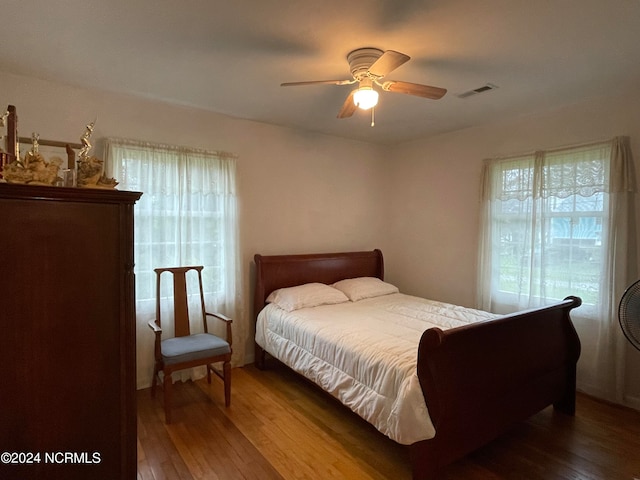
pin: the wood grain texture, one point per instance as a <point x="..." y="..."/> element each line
<point x="282" y="427"/>
<point x="67" y="314"/>
<point x="478" y="379"/>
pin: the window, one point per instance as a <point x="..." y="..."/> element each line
<point x="187" y="215"/>
<point x="559" y="223"/>
<point x="190" y="232"/>
<point x="546" y="221"/>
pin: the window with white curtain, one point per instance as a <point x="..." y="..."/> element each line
<point x="558" y="223"/>
<point x="187" y="215"/>
<point x="548" y="245"/>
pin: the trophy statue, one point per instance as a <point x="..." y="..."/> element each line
<point x="90" y="168"/>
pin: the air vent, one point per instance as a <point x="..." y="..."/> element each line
<point x="476" y="91"/>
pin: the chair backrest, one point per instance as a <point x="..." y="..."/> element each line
<point x="180" y="298"/>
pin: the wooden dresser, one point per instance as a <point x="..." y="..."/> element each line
<point x="67" y="333"/>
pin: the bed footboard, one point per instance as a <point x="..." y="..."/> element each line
<point x="480" y="379"/>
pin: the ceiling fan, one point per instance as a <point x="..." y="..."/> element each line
<point x="368" y="66"/>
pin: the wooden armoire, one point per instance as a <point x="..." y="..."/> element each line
<point x="67" y="333"/>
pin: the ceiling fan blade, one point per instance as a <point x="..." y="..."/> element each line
<point x="348" y="107"/>
<point x="425" y="91"/>
<point x="318" y="82"/>
<point x="388" y="62"/>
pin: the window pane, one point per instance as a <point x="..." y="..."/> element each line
<point x="549" y="245"/>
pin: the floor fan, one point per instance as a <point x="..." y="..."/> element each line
<point x="629" y="314"/>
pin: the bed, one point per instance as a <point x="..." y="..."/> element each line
<point x="460" y="383"/>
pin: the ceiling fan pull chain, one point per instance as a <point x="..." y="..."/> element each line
<point x="373" y="116"/>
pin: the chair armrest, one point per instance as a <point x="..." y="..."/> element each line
<point x="154" y="326"/>
<point x="158" y="331"/>
<point x="225" y="319"/>
<point x="220" y="316"/>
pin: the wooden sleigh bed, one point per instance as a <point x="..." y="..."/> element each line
<point x="477" y="379"/>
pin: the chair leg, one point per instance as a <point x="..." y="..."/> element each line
<point x="209" y="368"/>
<point x="167" y="397"/>
<point x="227" y="383"/>
<point x="154" y="381"/>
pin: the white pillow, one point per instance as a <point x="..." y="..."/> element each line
<point x="364" y="287"/>
<point x="307" y="295"/>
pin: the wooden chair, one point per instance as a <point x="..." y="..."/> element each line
<point x="188" y="350"/>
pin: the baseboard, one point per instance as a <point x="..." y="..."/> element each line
<point x="628" y="402"/>
<point x="633" y="402"/>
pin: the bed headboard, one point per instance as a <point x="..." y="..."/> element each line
<point x="280" y="271"/>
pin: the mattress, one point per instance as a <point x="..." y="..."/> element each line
<point x="364" y="353"/>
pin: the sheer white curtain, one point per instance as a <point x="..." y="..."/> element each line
<point x="187" y="215"/>
<point x="559" y="223"/>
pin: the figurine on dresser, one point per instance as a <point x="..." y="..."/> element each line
<point x="33" y="169"/>
<point x="90" y="169"/>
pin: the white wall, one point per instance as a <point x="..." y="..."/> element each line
<point x="299" y="192"/>
<point x="302" y="192"/>
<point x="435" y="188"/>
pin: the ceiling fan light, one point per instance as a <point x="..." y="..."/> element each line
<point x="365" y="98"/>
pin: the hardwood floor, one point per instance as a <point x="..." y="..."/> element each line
<point x="281" y="427"/>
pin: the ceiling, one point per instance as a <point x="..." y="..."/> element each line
<point x="231" y="56"/>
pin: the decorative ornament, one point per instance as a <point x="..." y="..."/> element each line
<point x="86" y="146"/>
<point x="33" y="169"/>
<point x="90" y="168"/>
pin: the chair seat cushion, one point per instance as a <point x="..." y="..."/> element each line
<point x="193" y="347"/>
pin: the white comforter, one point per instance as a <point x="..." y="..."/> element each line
<point x="364" y="353"/>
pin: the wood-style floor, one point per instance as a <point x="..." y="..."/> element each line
<point x="281" y="427"/>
